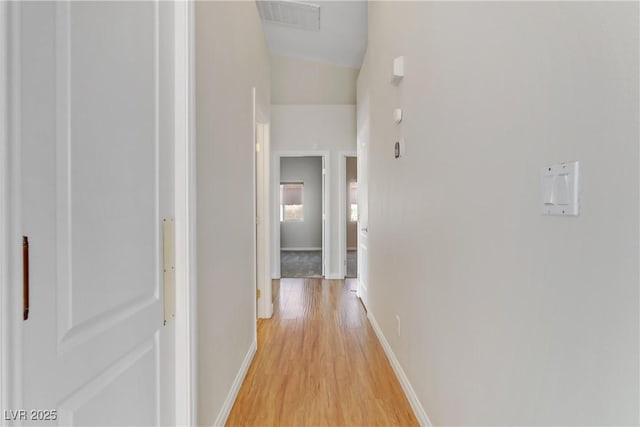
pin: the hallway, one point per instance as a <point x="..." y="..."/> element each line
<point x="319" y="362"/>
<point x="472" y="168"/>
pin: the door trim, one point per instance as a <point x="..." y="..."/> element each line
<point x="275" y="206"/>
<point x="262" y="229"/>
<point x="342" y="209"/>
<point x="185" y="215"/>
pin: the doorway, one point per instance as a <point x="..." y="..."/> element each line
<point x="351" y="217"/>
<point x="301" y="208"/>
<point x="349" y="214"/>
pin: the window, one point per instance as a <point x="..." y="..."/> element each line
<point x="291" y="207"/>
<point x="353" y="202"/>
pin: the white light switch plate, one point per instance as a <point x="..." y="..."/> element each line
<point x="560" y="189"/>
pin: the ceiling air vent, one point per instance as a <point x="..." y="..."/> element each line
<point x="295" y="14"/>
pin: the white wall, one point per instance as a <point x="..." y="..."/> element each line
<point x="231" y="58"/>
<point x="329" y="128"/>
<point x="508" y="317"/>
<point x="305" y="234"/>
<point x="297" y="81"/>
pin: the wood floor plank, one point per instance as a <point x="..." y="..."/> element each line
<point x="319" y="363"/>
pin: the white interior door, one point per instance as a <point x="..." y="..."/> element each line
<point x="324" y="216"/>
<point x="92" y="199"/>
<point x="265" y="306"/>
<point x="363" y="204"/>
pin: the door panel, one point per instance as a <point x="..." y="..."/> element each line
<point x="106" y="95"/>
<point x="94" y="402"/>
<point x="90" y="102"/>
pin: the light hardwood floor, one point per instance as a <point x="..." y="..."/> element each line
<point x="319" y="363"/>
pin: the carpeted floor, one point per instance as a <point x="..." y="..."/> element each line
<point x="298" y="264"/>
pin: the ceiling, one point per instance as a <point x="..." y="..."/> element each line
<point x="341" y="40"/>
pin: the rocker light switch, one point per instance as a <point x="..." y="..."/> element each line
<point x="548" y="183"/>
<point x="397" y="115"/>
<point x="398" y="69"/>
<point x="560" y="189"/>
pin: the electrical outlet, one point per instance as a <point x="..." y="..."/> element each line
<point x="398" y="322"/>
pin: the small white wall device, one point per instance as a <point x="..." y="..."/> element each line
<point x="398" y="69"/>
<point x="560" y="189"/>
<point x="397" y="115"/>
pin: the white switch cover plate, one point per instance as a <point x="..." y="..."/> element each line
<point x="560" y="189"/>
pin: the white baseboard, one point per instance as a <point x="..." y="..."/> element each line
<point x="417" y="407"/>
<point x="235" y="387"/>
<point x="333" y="277"/>
<point x="300" y="249"/>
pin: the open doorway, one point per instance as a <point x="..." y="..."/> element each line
<point x="351" y="216"/>
<point x="301" y="200"/>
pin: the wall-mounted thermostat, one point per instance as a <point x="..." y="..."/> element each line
<point x="560" y="189"/>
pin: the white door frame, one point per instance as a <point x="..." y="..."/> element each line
<point x="342" y="209"/>
<point x="185" y="215"/>
<point x="254" y="166"/>
<point x="275" y="206"/>
<point x="261" y="198"/>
